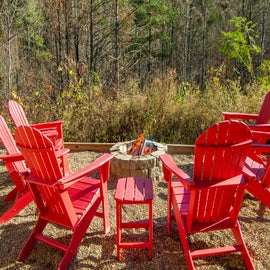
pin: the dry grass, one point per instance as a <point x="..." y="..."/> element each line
<point x="98" y="251"/>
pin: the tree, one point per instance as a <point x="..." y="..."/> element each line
<point x="239" y="45"/>
<point x="265" y="9"/>
<point x="9" y="12"/>
<point x="151" y="19"/>
<point x="116" y="80"/>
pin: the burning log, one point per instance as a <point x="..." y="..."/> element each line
<point x="142" y="147"/>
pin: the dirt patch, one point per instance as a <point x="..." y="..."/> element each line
<point x="98" y="251"/>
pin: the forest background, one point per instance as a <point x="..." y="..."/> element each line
<point x="114" y="68"/>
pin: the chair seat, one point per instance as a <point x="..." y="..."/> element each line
<point x="134" y="190"/>
<point x="83" y="194"/>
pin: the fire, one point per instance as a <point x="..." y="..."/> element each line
<point x="142" y="147"/>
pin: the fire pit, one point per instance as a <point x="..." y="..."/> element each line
<point x="137" y="158"/>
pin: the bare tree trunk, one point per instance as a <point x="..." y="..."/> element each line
<point x="9" y="61"/>
<point x="66" y="9"/>
<point x="59" y="53"/>
<point x="9" y="15"/>
<point x="91" y="57"/>
<point x="149" y="50"/>
<point x="263" y="25"/>
<point x="186" y="43"/>
<point x="203" y="55"/>
<point x="76" y="30"/>
<point x="116" y="80"/>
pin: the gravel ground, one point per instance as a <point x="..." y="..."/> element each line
<point x="98" y="251"/>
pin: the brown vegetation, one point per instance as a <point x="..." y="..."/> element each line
<point x="161" y="112"/>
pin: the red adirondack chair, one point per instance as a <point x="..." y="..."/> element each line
<point x="70" y="201"/>
<point x="53" y="130"/>
<point x="211" y="200"/>
<point x="260" y="119"/>
<point x="16" y="167"/>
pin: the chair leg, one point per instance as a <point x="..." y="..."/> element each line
<point x="261" y="192"/>
<point x="28" y="246"/>
<point x="118" y="228"/>
<point x="78" y="235"/>
<point x="183" y="236"/>
<point x="169" y="210"/>
<point x="105" y="209"/>
<point x="12" y="195"/>
<point x="65" y="164"/>
<point x="150" y="237"/>
<point x="17" y="207"/>
<point x="239" y="239"/>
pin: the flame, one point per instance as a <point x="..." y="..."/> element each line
<point x="142" y="147"/>
<point x="137" y="145"/>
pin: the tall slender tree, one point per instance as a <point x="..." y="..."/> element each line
<point x="116" y="80"/>
<point x="203" y="54"/>
<point x="264" y="19"/>
<point x="9" y="15"/>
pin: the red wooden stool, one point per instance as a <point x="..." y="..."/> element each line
<point x="134" y="191"/>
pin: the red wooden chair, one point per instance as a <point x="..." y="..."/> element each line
<point x="70" y="201"/>
<point x="211" y="200"/>
<point x="51" y="129"/>
<point x="260" y="119"/>
<point x="14" y="162"/>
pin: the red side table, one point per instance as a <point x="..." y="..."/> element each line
<point x="134" y="190"/>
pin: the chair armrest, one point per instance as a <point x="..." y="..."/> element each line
<point x="254" y="168"/>
<point x="250" y="176"/>
<point x="61" y="152"/>
<point x="98" y="164"/>
<point x="69" y="180"/>
<point x="258" y="149"/>
<point x="30" y="178"/>
<point x="170" y="168"/>
<point x="235" y="115"/>
<point x="265" y="148"/>
<point x="260" y="133"/>
<point x="12" y="157"/>
<point x="259" y="127"/>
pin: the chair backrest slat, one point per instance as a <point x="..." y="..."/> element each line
<point x="17" y="113"/>
<point x="7" y="138"/>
